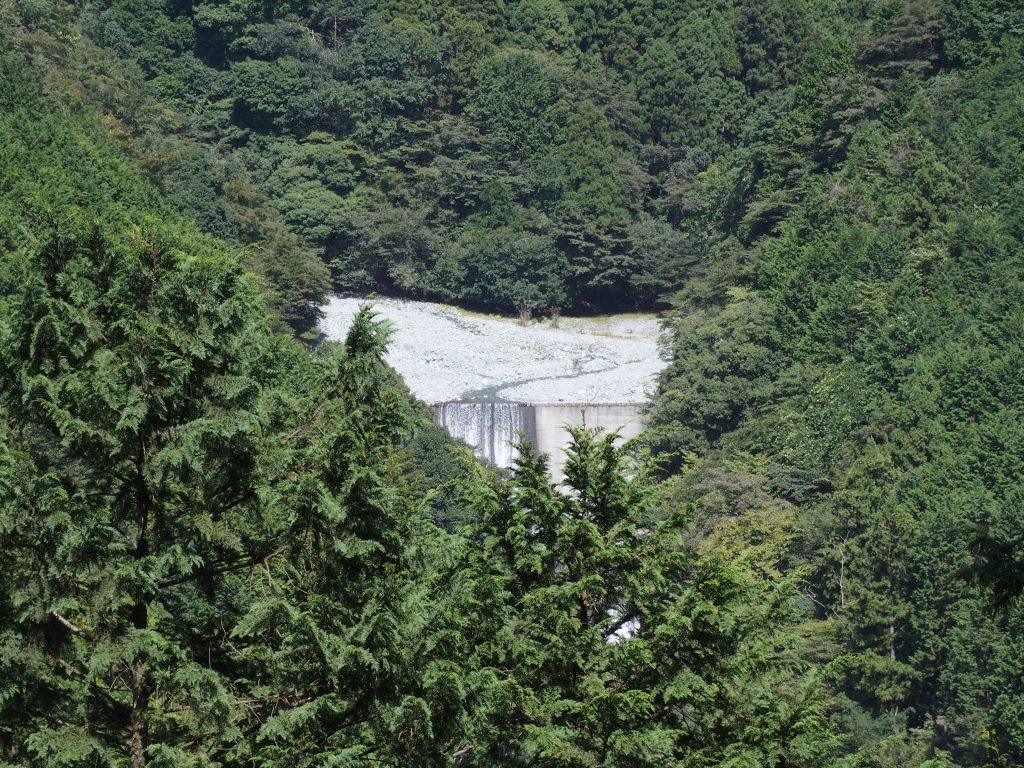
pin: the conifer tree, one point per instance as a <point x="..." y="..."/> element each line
<point x="210" y="551"/>
<point x="336" y="627"/>
<point x="620" y="646"/>
<point x="131" y="376"/>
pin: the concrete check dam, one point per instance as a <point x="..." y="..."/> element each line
<point x="491" y="379"/>
<point x="493" y="428"/>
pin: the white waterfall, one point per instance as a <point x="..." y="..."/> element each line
<point x="491" y="428"/>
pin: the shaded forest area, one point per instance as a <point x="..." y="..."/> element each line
<point x="536" y="157"/>
<point x="218" y="547"/>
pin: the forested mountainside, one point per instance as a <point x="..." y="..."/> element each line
<point x="536" y="155"/>
<point x="847" y="386"/>
<point x="221" y="548"/>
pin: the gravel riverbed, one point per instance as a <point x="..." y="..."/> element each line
<point x="444" y="353"/>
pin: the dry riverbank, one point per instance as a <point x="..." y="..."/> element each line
<point x="446" y="354"/>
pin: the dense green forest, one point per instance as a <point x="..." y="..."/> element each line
<point x="221" y="545"/>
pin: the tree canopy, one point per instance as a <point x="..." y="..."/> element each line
<point x="223" y="543"/>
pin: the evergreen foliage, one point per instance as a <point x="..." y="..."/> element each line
<point x="618" y="644"/>
<point x="849" y="336"/>
<point x="220" y="547"/>
<point x="210" y="553"/>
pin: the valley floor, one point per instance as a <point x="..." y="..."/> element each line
<point x="444" y="353"/>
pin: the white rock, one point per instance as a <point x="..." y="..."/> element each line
<point x="444" y="354"/>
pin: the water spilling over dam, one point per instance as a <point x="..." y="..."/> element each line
<point x="493" y="428"/>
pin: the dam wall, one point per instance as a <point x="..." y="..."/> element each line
<point x="493" y="427"/>
<point x="550" y="435"/>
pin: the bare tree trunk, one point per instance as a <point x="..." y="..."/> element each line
<point x="138" y="736"/>
<point x="842" y="575"/>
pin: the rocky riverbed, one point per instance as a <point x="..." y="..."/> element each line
<point x="444" y="353"/>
